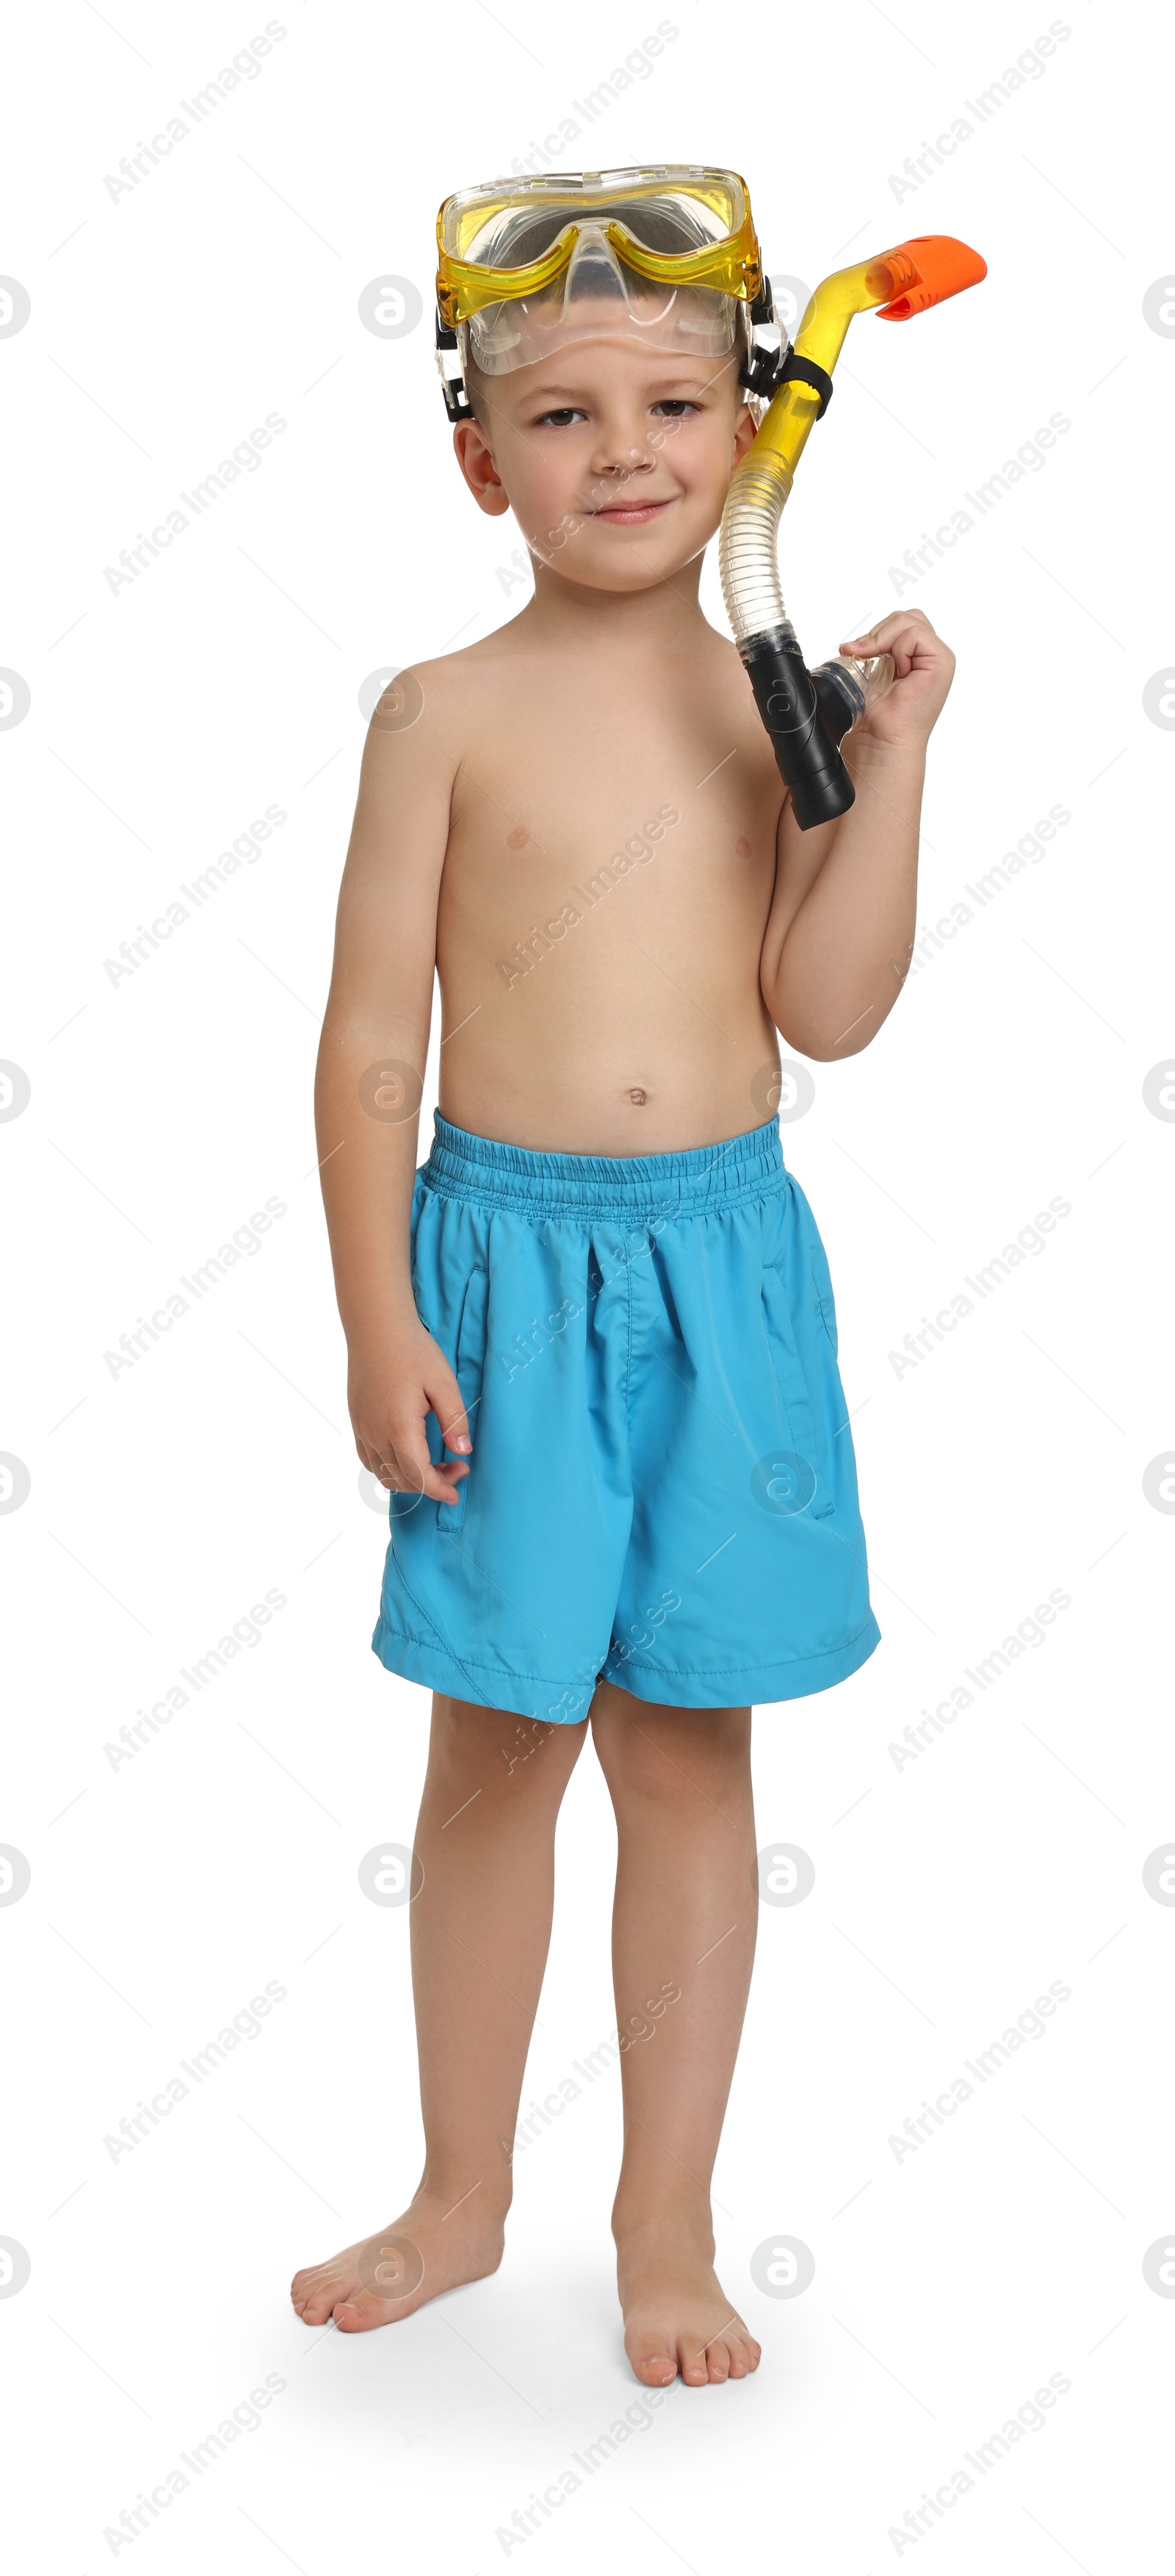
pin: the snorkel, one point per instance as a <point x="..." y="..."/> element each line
<point x="807" y="713"/>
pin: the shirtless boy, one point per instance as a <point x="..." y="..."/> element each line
<point x="592" y="1343"/>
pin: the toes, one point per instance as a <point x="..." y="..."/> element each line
<point x="315" y="2308"/>
<point x="358" y="2314"/>
<point x="306" y="2287"/>
<point x="742" y="2351"/>
<point x="726" y="2356"/>
<point x="652" y="2360"/>
<point x="657" y="2353"/>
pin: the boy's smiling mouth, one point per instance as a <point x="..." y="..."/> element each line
<point x="629" y="514"/>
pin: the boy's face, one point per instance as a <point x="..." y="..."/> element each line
<point x="615" y="460"/>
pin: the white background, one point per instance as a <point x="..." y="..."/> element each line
<point x="1008" y="1464"/>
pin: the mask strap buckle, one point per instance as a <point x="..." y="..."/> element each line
<point x="457" y="402"/>
<point x="760" y="370"/>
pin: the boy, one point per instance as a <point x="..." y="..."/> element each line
<point x="592" y="1344"/>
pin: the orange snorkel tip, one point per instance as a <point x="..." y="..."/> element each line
<point x="923" y="272"/>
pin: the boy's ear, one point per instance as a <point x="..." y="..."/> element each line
<point x="744" y="435"/>
<point x="472" y="451"/>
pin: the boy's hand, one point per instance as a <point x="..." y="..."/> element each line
<point x="924" y="667"/>
<point x="390" y="1395"/>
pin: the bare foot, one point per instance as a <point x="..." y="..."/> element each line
<point x="677" y="2316"/>
<point x="434" y="2246"/>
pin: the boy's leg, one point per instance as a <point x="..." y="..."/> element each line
<point x="480" y="1930"/>
<point x="685" y="1918"/>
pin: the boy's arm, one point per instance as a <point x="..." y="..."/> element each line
<point x="840" y="933"/>
<point x="368" y="1088"/>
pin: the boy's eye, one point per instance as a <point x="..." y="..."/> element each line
<point x="557" y="419"/>
<point x="675" y="409"/>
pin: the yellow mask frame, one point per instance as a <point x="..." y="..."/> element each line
<point x="730" y="263"/>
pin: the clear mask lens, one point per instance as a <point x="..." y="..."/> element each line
<point x="597" y="297"/>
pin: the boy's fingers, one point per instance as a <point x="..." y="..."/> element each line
<point x="908" y="623"/>
<point x="383" y="1464"/>
<point x="386" y="1468"/>
<point x="399" y="1456"/>
<point x="444" y="1396"/>
<point x="879" y="643"/>
<point x="405" y="1466"/>
<point x="910" y="648"/>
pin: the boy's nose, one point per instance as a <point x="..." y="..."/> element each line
<point x="616" y="462"/>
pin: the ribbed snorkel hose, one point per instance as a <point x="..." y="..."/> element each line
<point x="747" y="560"/>
<point x="807" y="713"/>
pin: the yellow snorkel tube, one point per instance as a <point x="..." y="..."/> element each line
<point x="808" y="713"/>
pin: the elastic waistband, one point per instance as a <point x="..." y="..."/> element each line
<point x="633" y="1187"/>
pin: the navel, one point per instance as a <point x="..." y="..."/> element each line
<point x="638" y="1097"/>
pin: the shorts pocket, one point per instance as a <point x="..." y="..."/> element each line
<point x="822" y="1283"/>
<point x="792" y="1383"/>
<point x="468" y="1368"/>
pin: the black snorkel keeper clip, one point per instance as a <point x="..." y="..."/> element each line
<point x="764" y="369"/>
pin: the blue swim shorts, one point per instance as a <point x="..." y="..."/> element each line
<point x="662" y="1490"/>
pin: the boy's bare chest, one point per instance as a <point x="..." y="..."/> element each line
<point x="578" y="777"/>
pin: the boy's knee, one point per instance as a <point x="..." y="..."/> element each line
<point x="665" y="1752"/>
<point x="460" y="1730"/>
<point x="487" y="1744"/>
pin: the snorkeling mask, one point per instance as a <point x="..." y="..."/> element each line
<point x="674" y="251"/>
